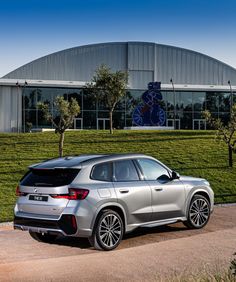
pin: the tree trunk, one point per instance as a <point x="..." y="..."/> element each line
<point x="111" y="122"/>
<point x="230" y="156"/>
<point x="61" y="143"/>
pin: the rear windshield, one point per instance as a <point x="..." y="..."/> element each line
<point x="49" y="177"/>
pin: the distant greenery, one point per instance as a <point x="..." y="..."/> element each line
<point x="193" y="153"/>
<point x="225" y="132"/>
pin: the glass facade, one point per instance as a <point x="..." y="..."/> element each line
<point x="183" y="106"/>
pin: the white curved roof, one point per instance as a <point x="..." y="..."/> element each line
<point x="144" y="61"/>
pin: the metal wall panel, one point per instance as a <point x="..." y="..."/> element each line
<point x="141" y="56"/>
<point x="189" y="67"/>
<point x="10" y="109"/>
<point x="79" y="64"/>
<point x="139" y="79"/>
<point x="76" y="64"/>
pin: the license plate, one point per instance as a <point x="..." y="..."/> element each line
<point x="38" y="198"/>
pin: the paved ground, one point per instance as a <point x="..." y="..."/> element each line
<point x="146" y="254"/>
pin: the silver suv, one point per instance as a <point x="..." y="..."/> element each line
<point x="101" y="197"/>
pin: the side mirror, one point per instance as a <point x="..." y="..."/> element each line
<point x="163" y="178"/>
<point x="175" y="175"/>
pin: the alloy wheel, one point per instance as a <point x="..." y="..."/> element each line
<point x="110" y="230"/>
<point x="199" y="212"/>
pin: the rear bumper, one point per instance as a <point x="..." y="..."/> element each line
<point x="38" y="229"/>
<point x="38" y="216"/>
<point x="66" y="225"/>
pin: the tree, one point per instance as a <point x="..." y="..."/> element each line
<point x="227" y="132"/>
<point x="66" y="111"/>
<point x="109" y="88"/>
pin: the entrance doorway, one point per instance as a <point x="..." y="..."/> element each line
<point x="78" y="123"/>
<point x="199" y="124"/>
<point x="170" y="122"/>
<point x="103" y="123"/>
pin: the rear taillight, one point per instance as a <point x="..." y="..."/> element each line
<point x="74" y="194"/>
<point x="19" y="193"/>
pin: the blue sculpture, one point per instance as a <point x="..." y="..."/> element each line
<point x="150" y="113"/>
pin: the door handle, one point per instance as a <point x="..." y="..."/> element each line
<point x="158" y="189"/>
<point x="123" y="191"/>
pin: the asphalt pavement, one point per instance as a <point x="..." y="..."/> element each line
<point x="147" y="254"/>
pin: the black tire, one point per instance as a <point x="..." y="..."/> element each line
<point x="108" y="231"/>
<point x="198" y="213"/>
<point x="43" y="237"/>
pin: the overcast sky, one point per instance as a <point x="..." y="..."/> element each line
<point x="30" y="29"/>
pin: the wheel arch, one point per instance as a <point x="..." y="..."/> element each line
<point x="199" y="191"/>
<point x="111" y="206"/>
<point x="204" y="194"/>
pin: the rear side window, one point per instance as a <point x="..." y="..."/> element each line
<point x="102" y="172"/>
<point x="49" y="177"/>
<point x="125" y="171"/>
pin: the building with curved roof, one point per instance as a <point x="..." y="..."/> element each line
<point x="190" y="83"/>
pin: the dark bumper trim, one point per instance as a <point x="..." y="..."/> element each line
<point x="65" y="224"/>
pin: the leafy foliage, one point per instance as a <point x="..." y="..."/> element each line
<point x="226" y="133"/>
<point x="232" y="267"/>
<point x="108" y="87"/>
<point x="66" y="111"/>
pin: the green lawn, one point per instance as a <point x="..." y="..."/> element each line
<point x="193" y="153"/>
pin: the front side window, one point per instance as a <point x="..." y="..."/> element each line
<point x="125" y="171"/>
<point x="102" y="172"/>
<point x="152" y="170"/>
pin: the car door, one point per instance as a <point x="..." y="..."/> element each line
<point x="132" y="193"/>
<point x="168" y="195"/>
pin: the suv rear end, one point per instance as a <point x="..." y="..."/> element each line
<point x="48" y="200"/>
